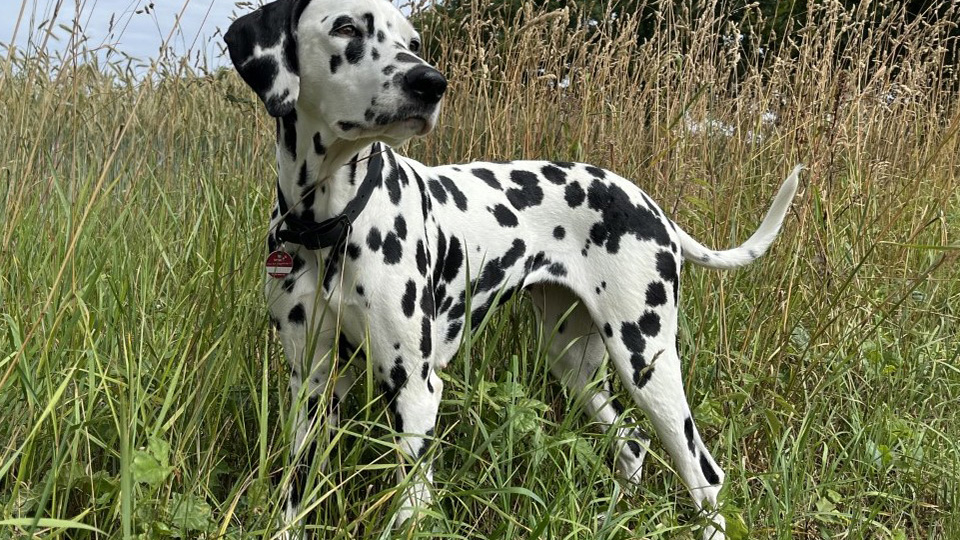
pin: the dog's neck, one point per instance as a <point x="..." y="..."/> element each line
<point x="314" y="165"/>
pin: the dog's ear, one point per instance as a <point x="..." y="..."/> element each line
<point x="263" y="48"/>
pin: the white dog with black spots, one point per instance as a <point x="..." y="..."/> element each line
<point x="370" y="250"/>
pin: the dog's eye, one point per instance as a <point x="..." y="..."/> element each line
<point x="347" y="30"/>
<point x="415" y="46"/>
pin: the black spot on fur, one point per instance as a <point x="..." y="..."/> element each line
<point x="440" y="253"/>
<point x="487" y="176"/>
<point x="619" y="216"/>
<point x="437" y="191"/>
<point x="506" y="295"/>
<point x="477" y="316"/>
<point x="298" y="263"/>
<point x="596" y="171"/>
<point x="400" y="225"/>
<point x="641" y="371"/>
<point x="459" y="198"/>
<point x="649" y="323"/>
<point x="354" y="50"/>
<point x="535" y="262"/>
<point x="374" y="239"/>
<point x="608" y="330"/>
<point x="574" y="194"/>
<point x="352" y="170"/>
<point x="453" y="261"/>
<point x="656" y="294"/>
<point x="708" y="472"/>
<point x="335" y="62"/>
<point x="453" y="330"/>
<point x="407" y="58"/>
<point x="393" y="179"/>
<point x="459" y="308"/>
<point x="353" y="250"/>
<point x="559" y="232"/>
<point x="441" y="298"/>
<point x="495" y="269"/>
<point x="667" y="267"/>
<point x="308" y="195"/>
<point x="688" y="431"/>
<point x="297" y="315"/>
<point x="421" y="258"/>
<point x="425" y="371"/>
<point x="392" y="250"/>
<point x="530" y="194"/>
<point x="426" y="337"/>
<point x="557" y="269"/>
<point x="554" y="175"/>
<point x="409" y="299"/>
<point x="632" y="337"/>
<point x="427" y="300"/>
<point x="505" y="216"/>
<point x="368" y="21"/>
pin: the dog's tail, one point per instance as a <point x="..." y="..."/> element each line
<point x="756" y="245"/>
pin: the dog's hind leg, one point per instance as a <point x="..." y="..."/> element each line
<point x="643" y="348"/>
<point x="575" y="351"/>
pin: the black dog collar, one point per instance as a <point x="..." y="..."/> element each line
<point x="333" y="231"/>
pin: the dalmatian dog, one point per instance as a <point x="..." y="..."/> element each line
<point x="374" y="251"/>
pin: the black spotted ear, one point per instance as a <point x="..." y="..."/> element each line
<point x="263" y="48"/>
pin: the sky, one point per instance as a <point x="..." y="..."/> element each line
<point x="135" y="27"/>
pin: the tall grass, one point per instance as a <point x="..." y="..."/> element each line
<point x="141" y="393"/>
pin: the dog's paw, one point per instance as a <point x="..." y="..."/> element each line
<point x="630" y="458"/>
<point x="416" y="497"/>
<point x="714" y="531"/>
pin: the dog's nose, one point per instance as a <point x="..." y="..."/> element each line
<point x="425" y="84"/>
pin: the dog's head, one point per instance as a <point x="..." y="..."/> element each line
<point x="352" y="65"/>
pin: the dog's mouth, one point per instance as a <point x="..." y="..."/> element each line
<point x="404" y="125"/>
<point x="419" y="125"/>
<point x="415" y="125"/>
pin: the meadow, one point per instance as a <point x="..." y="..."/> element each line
<point x="142" y="394"/>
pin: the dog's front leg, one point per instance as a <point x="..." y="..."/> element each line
<point x="412" y="390"/>
<point x="307" y="331"/>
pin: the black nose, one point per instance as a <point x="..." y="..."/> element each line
<point x="425" y="84"/>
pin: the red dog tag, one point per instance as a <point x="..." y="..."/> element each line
<point x="279" y="264"/>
